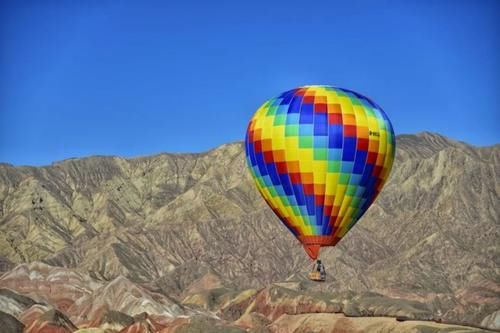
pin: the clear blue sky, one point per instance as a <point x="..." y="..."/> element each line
<point x="130" y="78"/>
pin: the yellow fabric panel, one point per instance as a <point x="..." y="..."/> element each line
<point x="320" y="171"/>
<point x="332" y="179"/>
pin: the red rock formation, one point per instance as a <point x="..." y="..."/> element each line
<point x="32" y="314"/>
<point x="52" y="321"/>
<point x="144" y="324"/>
<point x="111" y="320"/>
<point x="123" y="296"/>
<point x="274" y="301"/>
<point x="252" y="320"/>
<point x="58" y="286"/>
<point x="174" y="325"/>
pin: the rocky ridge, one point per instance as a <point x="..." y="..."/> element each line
<point x="166" y="221"/>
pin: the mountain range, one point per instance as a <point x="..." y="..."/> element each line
<point x="172" y="242"/>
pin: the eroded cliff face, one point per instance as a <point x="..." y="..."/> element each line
<point x="168" y="220"/>
<point x="283" y="307"/>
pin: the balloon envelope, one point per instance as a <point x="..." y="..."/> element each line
<point x="319" y="156"/>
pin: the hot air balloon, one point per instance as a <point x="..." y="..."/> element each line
<point x="319" y="156"/>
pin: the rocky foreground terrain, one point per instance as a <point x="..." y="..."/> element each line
<point x="184" y="243"/>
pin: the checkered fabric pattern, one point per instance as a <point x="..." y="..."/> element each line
<point x="319" y="156"/>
